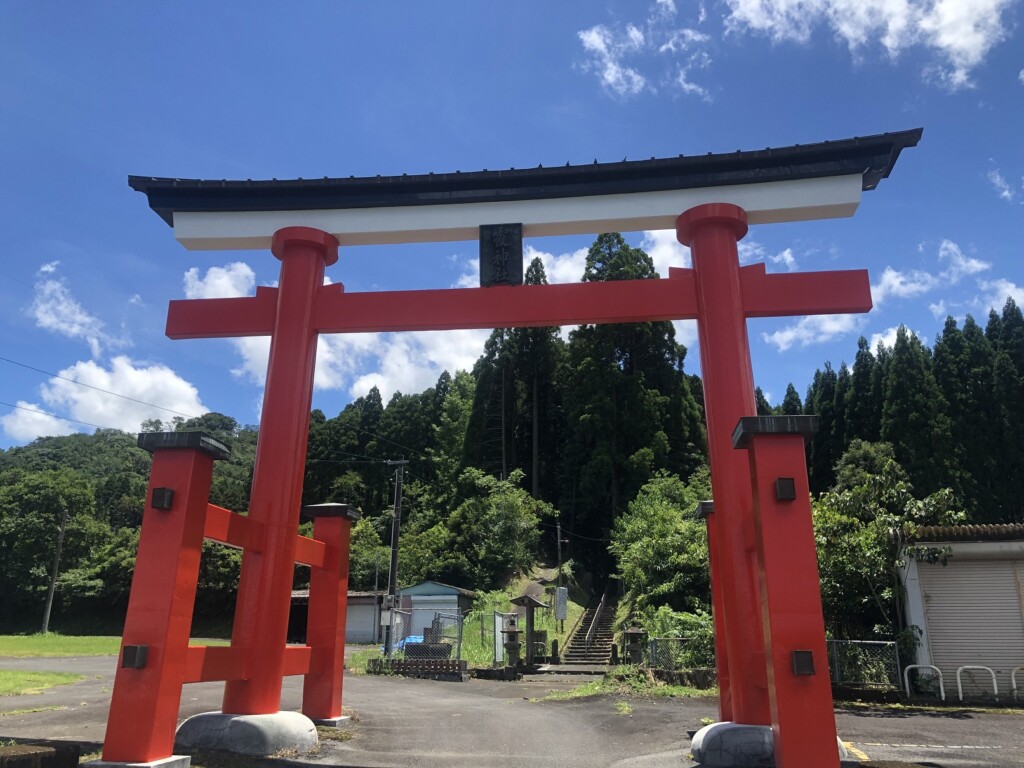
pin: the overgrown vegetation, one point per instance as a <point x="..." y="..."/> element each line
<point x="630" y="681"/>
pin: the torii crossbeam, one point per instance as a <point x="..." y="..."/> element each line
<point x="717" y="292"/>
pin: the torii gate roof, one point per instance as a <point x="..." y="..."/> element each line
<point x="801" y="182"/>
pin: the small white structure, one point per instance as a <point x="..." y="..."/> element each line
<point x="362" y="619"/>
<point x="971" y="610"/>
<point x="428" y="598"/>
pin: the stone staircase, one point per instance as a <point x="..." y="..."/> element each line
<point x="599" y="651"/>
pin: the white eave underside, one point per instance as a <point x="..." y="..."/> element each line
<point x="765" y="203"/>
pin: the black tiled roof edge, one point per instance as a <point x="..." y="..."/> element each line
<point x="871" y="156"/>
<point x="1003" y="532"/>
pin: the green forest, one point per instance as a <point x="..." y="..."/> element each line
<point x="602" y="434"/>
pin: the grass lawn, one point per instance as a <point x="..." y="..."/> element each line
<point x="52" y="644"/>
<point x="18" y="683"/>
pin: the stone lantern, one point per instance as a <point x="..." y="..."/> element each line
<point x="634" y="644"/>
<point x="512" y="644"/>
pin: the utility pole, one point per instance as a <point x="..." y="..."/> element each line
<point x="558" y="533"/>
<point x="396" y="525"/>
<point x="56" y="568"/>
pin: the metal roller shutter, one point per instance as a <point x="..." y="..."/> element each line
<point x="975" y="617"/>
<point x="360" y="624"/>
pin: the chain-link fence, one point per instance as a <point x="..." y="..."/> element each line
<point x="865" y="663"/>
<point x="441" y="640"/>
<point x="677" y="653"/>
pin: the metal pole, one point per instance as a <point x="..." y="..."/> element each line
<point x="393" y="571"/>
<point x="56" y="568"/>
<point x="558" y="532"/>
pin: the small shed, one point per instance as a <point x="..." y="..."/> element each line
<point x="971" y="610"/>
<point x="362" y="621"/>
<point x="428" y="598"/>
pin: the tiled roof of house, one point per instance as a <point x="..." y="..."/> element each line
<point x="1003" y="532"/>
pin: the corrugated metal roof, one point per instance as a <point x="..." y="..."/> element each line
<point x="1003" y="532"/>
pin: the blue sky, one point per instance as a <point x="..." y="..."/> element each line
<point x="93" y="92"/>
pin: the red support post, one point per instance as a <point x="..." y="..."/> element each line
<point x="264" y="593"/>
<point x="328" y="608"/>
<point x="800" y="691"/>
<point x="154" y="645"/>
<point x="712" y="231"/>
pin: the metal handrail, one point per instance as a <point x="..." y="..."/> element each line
<point x="593" y="623"/>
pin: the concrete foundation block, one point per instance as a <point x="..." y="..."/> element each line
<point x="174" y="761"/>
<point x="332" y="722"/>
<point x="256" y="735"/>
<point x="735" y="745"/>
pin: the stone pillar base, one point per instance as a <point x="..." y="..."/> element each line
<point x="732" y="745"/>
<point x="255" y="735"/>
<point x="332" y="722"/>
<point x="174" y="761"/>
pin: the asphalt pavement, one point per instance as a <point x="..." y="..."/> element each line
<point x="432" y="724"/>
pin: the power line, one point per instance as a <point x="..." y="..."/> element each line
<point x="98" y="389"/>
<point x="397" y="445"/>
<point x="55" y="416"/>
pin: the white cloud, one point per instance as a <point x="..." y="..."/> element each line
<point x="750" y="251"/>
<point x="411" y="362"/>
<point x="470" y="277"/>
<point x="607" y="51"/>
<point x="997" y="292"/>
<point x="686" y="334"/>
<point x="999" y="184"/>
<point x="681" y="40"/>
<point x="136" y="300"/>
<point x="887" y="337"/>
<point x="49" y="268"/>
<point x="27" y="422"/>
<point x="665" y="250"/>
<point x="814" y="329"/>
<point x="958" y="32"/>
<point x="151" y="383"/>
<point x="915" y="282"/>
<point x="902" y="285"/>
<point x="786" y="259"/>
<point x="616" y="54"/>
<point x="230" y="281"/>
<point x="665" y="8"/>
<point x="959" y="265"/>
<point x="55" y="309"/>
<point x="1020" y="76"/>
<point x="560" y="268"/>
<point x="938" y="309"/>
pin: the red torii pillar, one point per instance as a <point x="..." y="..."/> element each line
<point x="717" y="292"/>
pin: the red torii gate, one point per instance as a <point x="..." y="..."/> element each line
<point x="770" y="671"/>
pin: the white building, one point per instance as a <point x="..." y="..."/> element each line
<point x="971" y="610"/>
